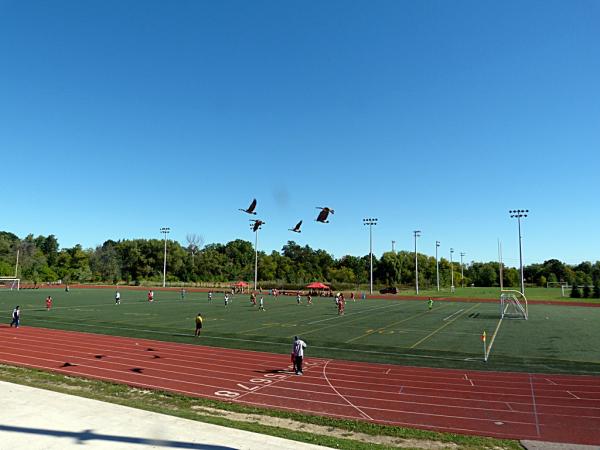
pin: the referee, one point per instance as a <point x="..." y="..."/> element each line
<point x="198" y="325"/>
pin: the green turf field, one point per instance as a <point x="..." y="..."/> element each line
<point x="554" y="339"/>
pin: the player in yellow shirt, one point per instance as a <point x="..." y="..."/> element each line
<point x="198" y="325"/>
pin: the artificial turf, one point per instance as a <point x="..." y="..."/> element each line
<point x="554" y="339"/>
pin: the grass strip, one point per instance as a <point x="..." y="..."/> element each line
<point x="203" y="410"/>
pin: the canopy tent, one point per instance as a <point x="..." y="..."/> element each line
<point x="241" y="284"/>
<point x="317" y="285"/>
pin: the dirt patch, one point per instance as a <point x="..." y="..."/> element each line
<point x="325" y="430"/>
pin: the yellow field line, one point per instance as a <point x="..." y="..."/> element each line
<point x="368" y="333"/>
<point x="443" y="326"/>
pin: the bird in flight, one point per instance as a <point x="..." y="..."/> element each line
<point x="322" y="217"/>
<point x="251" y="208"/>
<point x="296" y="229"/>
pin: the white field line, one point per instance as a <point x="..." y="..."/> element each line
<point x="352" y="314"/>
<point x="454" y="313"/>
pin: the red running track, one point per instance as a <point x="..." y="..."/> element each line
<point x="557" y="408"/>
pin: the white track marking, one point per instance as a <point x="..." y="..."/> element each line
<point x="578" y="398"/>
<point x="363" y="414"/>
<point x="535" y="413"/>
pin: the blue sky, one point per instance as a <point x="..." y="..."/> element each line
<point x="120" y="117"/>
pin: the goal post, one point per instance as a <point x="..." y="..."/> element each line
<point x="10" y="283"/>
<point x="513" y="305"/>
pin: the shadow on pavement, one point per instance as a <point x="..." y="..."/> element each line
<point x="89" y="435"/>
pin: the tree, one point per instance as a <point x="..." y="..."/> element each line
<point x="586" y="291"/>
<point x="194" y="243"/>
<point x="575" y="293"/>
<point x="596" y="293"/>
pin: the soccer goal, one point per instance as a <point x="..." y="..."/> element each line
<point x="10" y="283"/>
<point x="513" y="305"/>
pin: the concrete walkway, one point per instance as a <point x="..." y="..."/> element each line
<point x="37" y="419"/>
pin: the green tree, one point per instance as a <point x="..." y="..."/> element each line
<point x="575" y="292"/>
<point x="596" y="293"/>
<point x="586" y="291"/>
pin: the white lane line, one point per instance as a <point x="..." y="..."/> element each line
<point x="387" y="371"/>
<point x="453" y="314"/>
<point x="535" y="413"/>
<point x="578" y="398"/>
<point x="363" y="414"/>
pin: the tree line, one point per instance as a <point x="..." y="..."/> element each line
<point x="137" y="261"/>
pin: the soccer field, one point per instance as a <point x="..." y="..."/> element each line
<point x="554" y="339"/>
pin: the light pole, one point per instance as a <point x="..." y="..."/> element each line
<point x="393" y="244"/>
<point x="462" y="277"/>
<point x="437" y="265"/>
<point x="165" y="231"/>
<point x="417" y="233"/>
<point x="451" y="271"/>
<point x="518" y="213"/>
<point x="370" y="223"/>
<point x="255" y="227"/>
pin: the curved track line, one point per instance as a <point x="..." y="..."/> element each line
<point x="363" y="414"/>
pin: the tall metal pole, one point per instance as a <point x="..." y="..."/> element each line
<point x="451" y="271"/>
<point x="437" y="265"/>
<point x="393" y="244"/>
<point x="417" y="233"/>
<point x="256" y="258"/>
<point x="370" y="223"/>
<point x="518" y="213"/>
<point x="165" y="231"/>
<point x="462" y="274"/>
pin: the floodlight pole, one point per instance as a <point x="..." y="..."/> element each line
<point x="256" y="258"/>
<point x="165" y="231"/>
<point x="437" y="265"/>
<point x="462" y="275"/>
<point x="393" y="244"/>
<point x="417" y="233"/>
<point x="518" y="213"/>
<point x="451" y="271"/>
<point x="370" y="222"/>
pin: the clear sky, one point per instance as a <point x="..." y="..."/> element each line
<point x="120" y="117"/>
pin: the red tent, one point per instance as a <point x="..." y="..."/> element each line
<point x="317" y="285"/>
<point x="241" y="284"/>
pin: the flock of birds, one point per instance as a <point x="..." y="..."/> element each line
<point x="322" y="217"/>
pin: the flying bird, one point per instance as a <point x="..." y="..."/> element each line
<point x="257" y="224"/>
<point x="322" y="217"/>
<point x="296" y="229"/>
<point x="251" y="208"/>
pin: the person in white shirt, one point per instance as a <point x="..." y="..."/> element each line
<point x="298" y="351"/>
<point x="117" y="298"/>
<point x="16" y="317"/>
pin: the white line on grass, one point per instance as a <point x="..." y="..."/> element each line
<point x="454" y="313"/>
<point x="352" y="314"/>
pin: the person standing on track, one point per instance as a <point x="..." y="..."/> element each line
<point x="16" y="316"/>
<point x="298" y="352"/>
<point x="198" y="325"/>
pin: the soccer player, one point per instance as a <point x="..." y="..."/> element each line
<point x="253" y="299"/>
<point x="298" y="298"/>
<point x="226" y="300"/>
<point x="150" y="295"/>
<point x="430" y="303"/>
<point x="209" y="296"/>
<point x="308" y="300"/>
<point x="117" y="298"/>
<point x="182" y="293"/>
<point x="48" y="303"/>
<point x="198" y="325"/>
<point x="261" y="305"/>
<point x="16" y="317"/>
<point x="352" y="296"/>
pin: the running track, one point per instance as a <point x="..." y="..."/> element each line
<point x="558" y="408"/>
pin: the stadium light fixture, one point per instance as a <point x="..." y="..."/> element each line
<point x="518" y="214"/>
<point x="462" y="274"/>
<point x="370" y="223"/>
<point x="417" y="234"/>
<point x="165" y="231"/>
<point x="437" y="265"/>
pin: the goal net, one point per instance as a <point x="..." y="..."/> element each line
<point x="10" y="283"/>
<point x="513" y="305"/>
